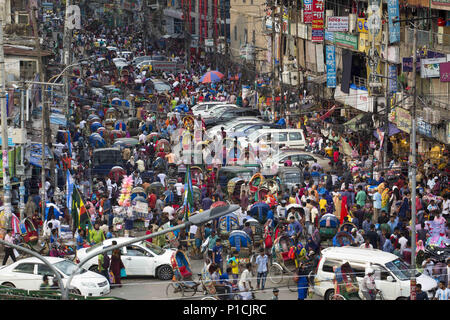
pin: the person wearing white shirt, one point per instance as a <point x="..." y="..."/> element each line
<point x="446" y="205"/>
<point x="245" y="284"/>
<point x="162" y="178"/>
<point x="142" y="138"/>
<point x="403" y="241"/>
<point x="442" y="293"/>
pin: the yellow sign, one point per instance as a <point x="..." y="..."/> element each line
<point x="147" y="66"/>
<point x="363" y="44"/>
<point x="361" y="25"/>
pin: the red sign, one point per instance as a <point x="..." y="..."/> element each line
<point x="413" y="289"/>
<point x="318" y="21"/>
<point x="444" y="70"/>
<point x="307" y="11"/>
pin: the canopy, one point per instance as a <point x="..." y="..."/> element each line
<point x="360" y="119"/>
<point x="211" y="76"/>
<point x="259" y="209"/>
<point x="239" y="239"/>
<point x="392" y="130"/>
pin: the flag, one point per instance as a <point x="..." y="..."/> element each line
<point x="15" y="224"/>
<point x="69" y="191"/>
<point x="69" y="143"/>
<point x="79" y="213"/>
<point x="188" y="195"/>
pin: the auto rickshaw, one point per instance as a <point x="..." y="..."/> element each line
<point x="133" y="126"/>
<point x="138" y="192"/>
<point x="109" y="124"/>
<point x="156" y="188"/>
<point x="112" y="113"/>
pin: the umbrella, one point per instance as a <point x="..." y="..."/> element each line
<point x="211" y="76"/>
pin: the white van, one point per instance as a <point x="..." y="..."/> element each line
<point x="391" y="273"/>
<point x="291" y="138"/>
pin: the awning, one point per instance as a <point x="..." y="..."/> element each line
<point x="360" y="120"/>
<point x="392" y="130"/>
<point x="328" y="113"/>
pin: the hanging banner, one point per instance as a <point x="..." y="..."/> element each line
<point x="392" y="81"/>
<point x="361" y="25"/>
<point x="403" y="119"/>
<point x="375" y="36"/>
<point x="318" y="21"/>
<point x="330" y="52"/>
<point x="429" y="68"/>
<point x="394" y="28"/>
<point x="444" y="71"/>
<point x="307" y="11"/>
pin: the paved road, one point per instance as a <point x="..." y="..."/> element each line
<point x="154" y="289"/>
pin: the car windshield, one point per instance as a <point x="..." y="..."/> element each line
<point x="153" y="248"/>
<point x="253" y="135"/>
<point x="67" y="267"/>
<point x="400" y="269"/>
<point x="292" y="177"/>
<point x="242" y="125"/>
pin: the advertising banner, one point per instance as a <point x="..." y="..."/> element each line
<point x="392" y="81"/>
<point x="330" y="53"/>
<point x="361" y="25"/>
<point x="375" y="36"/>
<point x="318" y="21"/>
<point x="444" y="71"/>
<point x="394" y="28"/>
<point x="346" y="40"/>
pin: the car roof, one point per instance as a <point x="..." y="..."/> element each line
<point x="36" y="260"/>
<point x="358" y="254"/>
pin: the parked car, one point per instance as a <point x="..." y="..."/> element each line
<point x="244" y="129"/>
<point x="392" y="274"/>
<point x="288" y="177"/>
<point x="232" y="124"/>
<point x="140" y="259"/>
<point x="214" y="110"/>
<point x="275" y="138"/>
<point x="140" y="59"/>
<point x="27" y="274"/>
<point x="204" y="106"/>
<point x="298" y="158"/>
<point x="160" y="86"/>
<point x="231" y="114"/>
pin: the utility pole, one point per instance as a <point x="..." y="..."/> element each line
<point x="66" y="53"/>
<point x="273" y="58"/>
<point x="22" y="126"/>
<point x="388" y="102"/>
<point x="187" y="36"/>
<point x="4" y="122"/>
<point x="297" y="41"/>
<point x="413" y="170"/>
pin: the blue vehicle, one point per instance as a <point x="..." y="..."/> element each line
<point x="104" y="159"/>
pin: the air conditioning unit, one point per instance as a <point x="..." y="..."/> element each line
<point x="351" y="22"/>
<point x="290" y="77"/>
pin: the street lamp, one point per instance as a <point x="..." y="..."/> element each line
<point x="197" y="219"/>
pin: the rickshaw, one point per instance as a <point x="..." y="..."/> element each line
<point x="234" y="189"/>
<point x="345" y="283"/>
<point x="164" y="144"/>
<point x="95" y="125"/>
<point x="182" y="284"/>
<point x="116" y="173"/>
<point x="109" y="123"/>
<point x="28" y="232"/>
<point x="267" y="187"/>
<point x="159" y="164"/>
<point x="153" y="137"/>
<point x="287" y="256"/>
<point x="112" y="113"/>
<point x="328" y="226"/>
<point x="255" y="182"/>
<point x="241" y="243"/>
<point x="116" y="134"/>
<point x="156" y="188"/>
<point x="342" y="239"/>
<point x="96" y="141"/>
<point x="259" y="210"/>
<point x="133" y="126"/>
<point x="125" y="142"/>
<point x="188" y="122"/>
<point x="138" y="192"/>
<point x="120" y="125"/>
<point x="227" y="223"/>
<point x="258" y="231"/>
<point x="103" y="132"/>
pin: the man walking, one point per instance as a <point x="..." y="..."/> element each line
<point x="262" y="262"/>
<point x="9" y="252"/>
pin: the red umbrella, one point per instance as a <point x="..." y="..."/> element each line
<point x="211" y="76"/>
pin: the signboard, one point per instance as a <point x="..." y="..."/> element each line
<point x="346" y="40"/>
<point x="429" y="68"/>
<point x="319" y="58"/>
<point x="424" y="128"/>
<point x="361" y="25"/>
<point x="330" y="54"/>
<point x="318" y="21"/>
<point x="392" y="74"/>
<point x="141" y="207"/>
<point x="302" y="30"/>
<point x="307" y="11"/>
<point x="394" y="28"/>
<point x="10" y="142"/>
<point x="337" y="23"/>
<point x="448" y="132"/>
<point x="168" y="66"/>
<point x="444" y="71"/>
<point x="375" y="36"/>
<point x="407" y="64"/>
<point x="403" y="119"/>
<point x="329" y="36"/>
<point x="209" y="42"/>
<point x="363" y="43"/>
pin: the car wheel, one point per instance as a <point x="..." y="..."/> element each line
<point x="75" y="291"/>
<point x="329" y="294"/>
<point x="8" y="284"/>
<point x="165" y="272"/>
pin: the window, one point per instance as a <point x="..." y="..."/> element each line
<point x="25" y="268"/>
<point x="329" y="264"/>
<point x="134" y="251"/>
<point x="235" y="33"/>
<point x="381" y="273"/>
<point x="245" y="36"/>
<point x="28" y="70"/>
<point x="282" y="137"/>
<point x="253" y="34"/>
<point x="295" y="136"/>
<point x="44" y="270"/>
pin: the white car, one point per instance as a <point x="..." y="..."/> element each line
<point x="27" y="274"/>
<point x="297" y="157"/>
<point x="234" y="124"/>
<point x="204" y="106"/>
<point x="140" y="259"/>
<point x="214" y="110"/>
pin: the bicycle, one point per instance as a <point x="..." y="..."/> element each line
<point x="379" y="293"/>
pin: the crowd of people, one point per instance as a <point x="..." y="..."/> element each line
<point x="356" y="187"/>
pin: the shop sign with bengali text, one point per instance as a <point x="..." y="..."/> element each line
<point x="329" y="36"/>
<point x="318" y="21"/>
<point x="394" y="28"/>
<point x="403" y="119"/>
<point x="346" y="40"/>
<point x="331" y="66"/>
<point x="337" y="24"/>
<point x="307" y="11"/>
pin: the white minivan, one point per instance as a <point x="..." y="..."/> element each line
<point x="391" y="273"/>
<point x="291" y="138"/>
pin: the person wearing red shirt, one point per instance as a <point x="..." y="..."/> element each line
<point x="152" y="200"/>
